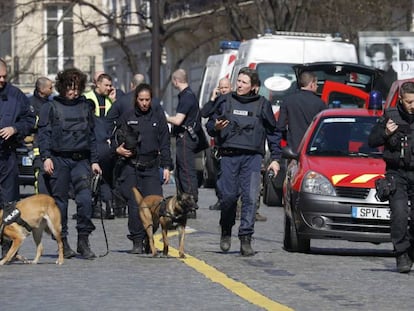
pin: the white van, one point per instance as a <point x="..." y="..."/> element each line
<point x="217" y="66"/>
<point x="273" y="55"/>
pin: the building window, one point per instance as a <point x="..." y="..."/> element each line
<point x="59" y="34"/>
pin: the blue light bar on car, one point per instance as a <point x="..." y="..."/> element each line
<point x="226" y="45"/>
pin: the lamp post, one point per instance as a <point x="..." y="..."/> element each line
<point x="155" y="49"/>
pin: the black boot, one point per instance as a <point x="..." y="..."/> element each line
<point x="84" y="248"/>
<point x="225" y="240"/>
<point x="137" y="246"/>
<point x="245" y="246"/>
<point x="109" y="211"/>
<point x="67" y="251"/>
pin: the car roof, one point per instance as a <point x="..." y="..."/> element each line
<point x="349" y="112"/>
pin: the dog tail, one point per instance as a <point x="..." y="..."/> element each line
<point x="138" y="195"/>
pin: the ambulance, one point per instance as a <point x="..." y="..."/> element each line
<point x="218" y="66"/>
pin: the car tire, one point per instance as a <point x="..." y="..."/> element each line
<point x="291" y="241"/>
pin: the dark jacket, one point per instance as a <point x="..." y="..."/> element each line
<point x="15" y="111"/>
<point x="58" y="119"/>
<point x="251" y="123"/>
<point x="296" y="113"/>
<point x="146" y="133"/>
<point x="399" y="146"/>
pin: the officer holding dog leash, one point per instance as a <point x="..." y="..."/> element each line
<point x="69" y="153"/>
<point x="395" y="131"/>
<point x="142" y="139"/>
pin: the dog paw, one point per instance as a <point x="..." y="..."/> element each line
<point x="182" y="256"/>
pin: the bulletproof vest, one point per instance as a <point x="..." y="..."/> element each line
<point x="70" y="127"/>
<point x="245" y="130"/>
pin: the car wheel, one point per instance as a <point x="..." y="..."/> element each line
<point x="291" y="241"/>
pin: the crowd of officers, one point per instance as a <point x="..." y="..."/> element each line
<point x="125" y="139"/>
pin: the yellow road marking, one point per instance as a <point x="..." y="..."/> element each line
<point x="219" y="277"/>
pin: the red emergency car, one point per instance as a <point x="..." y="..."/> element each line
<point x="329" y="189"/>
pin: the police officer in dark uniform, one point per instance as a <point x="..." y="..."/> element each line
<point x="41" y="94"/>
<point x="17" y="119"/>
<point x="68" y="150"/>
<point x="241" y="123"/>
<point x="395" y="131"/>
<point x="187" y="122"/>
<point x="142" y="139"/>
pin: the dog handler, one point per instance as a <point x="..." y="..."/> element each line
<point x="68" y="150"/>
<point x="17" y="120"/>
<point x="142" y="139"/>
<point x="241" y="124"/>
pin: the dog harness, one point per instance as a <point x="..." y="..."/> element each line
<point x="11" y="214"/>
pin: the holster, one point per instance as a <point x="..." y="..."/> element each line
<point x="385" y="187"/>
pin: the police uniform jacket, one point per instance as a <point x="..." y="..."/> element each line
<point x="67" y="126"/>
<point x="15" y="111"/>
<point x="146" y="134"/>
<point x="399" y="146"/>
<point x="251" y="123"/>
<point x="296" y="113"/>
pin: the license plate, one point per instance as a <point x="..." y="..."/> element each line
<point x="27" y="161"/>
<point x="371" y="213"/>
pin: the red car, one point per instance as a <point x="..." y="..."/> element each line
<point x="329" y="189"/>
<point x="340" y="85"/>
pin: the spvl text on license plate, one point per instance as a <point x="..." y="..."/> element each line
<point x="27" y="161"/>
<point x="371" y="212"/>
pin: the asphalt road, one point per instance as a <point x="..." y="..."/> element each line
<point x="336" y="275"/>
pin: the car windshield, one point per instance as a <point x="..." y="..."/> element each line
<point x="344" y="137"/>
<point x="277" y="81"/>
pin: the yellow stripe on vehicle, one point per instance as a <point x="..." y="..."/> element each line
<point x="364" y="178"/>
<point x="337" y="178"/>
<point x="236" y="287"/>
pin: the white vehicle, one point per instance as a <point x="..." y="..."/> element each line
<point x="217" y="66"/>
<point x="273" y="56"/>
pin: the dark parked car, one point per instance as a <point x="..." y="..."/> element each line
<point x="25" y="158"/>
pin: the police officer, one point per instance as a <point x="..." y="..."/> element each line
<point x="69" y="153"/>
<point x="187" y="122"/>
<point x="395" y="132"/>
<point x="241" y="123"/>
<point x="16" y="122"/>
<point x="99" y="95"/>
<point x="142" y="139"/>
<point x="41" y="94"/>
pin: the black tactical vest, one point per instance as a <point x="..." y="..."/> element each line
<point x="246" y="130"/>
<point x="70" y="127"/>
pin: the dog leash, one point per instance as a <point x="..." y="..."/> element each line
<point x="95" y="189"/>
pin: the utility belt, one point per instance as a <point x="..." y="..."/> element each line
<point x="229" y="152"/>
<point x="74" y="155"/>
<point x="143" y="162"/>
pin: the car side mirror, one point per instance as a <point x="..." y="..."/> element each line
<point x="288" y="153"/>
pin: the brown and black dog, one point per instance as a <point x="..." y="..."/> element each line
<point x="154" y="210"/>
<point x="41" y="213"/>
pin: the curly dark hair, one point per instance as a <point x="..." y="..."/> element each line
<point x="69" y="79"/>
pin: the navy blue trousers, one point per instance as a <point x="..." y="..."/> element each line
<point x="239" y="175"/>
